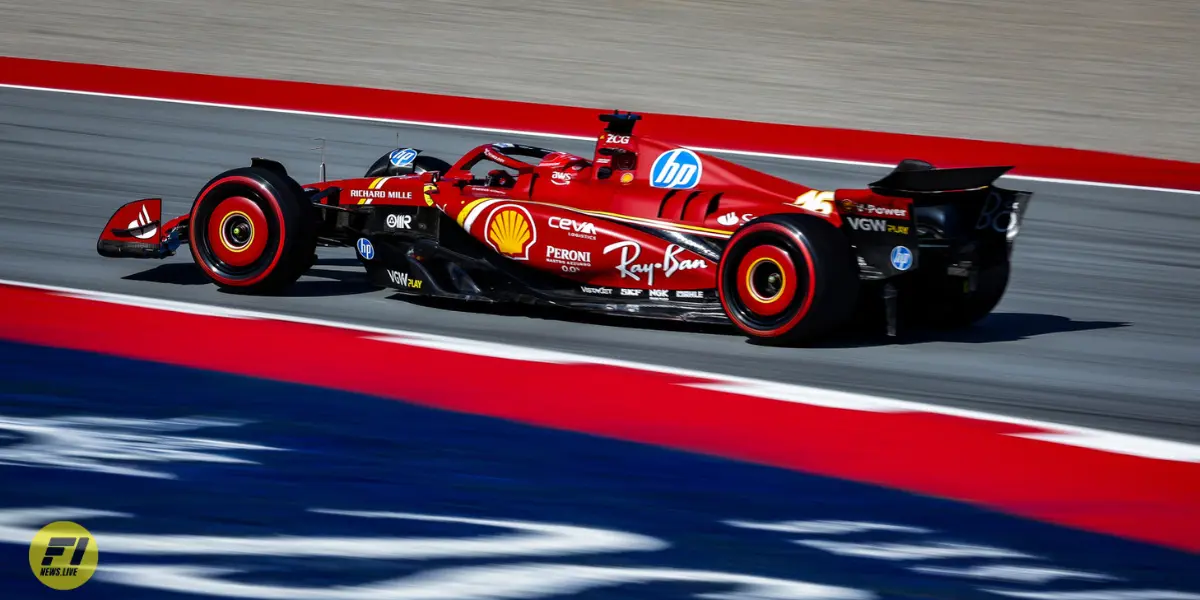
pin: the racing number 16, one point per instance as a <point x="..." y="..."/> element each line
<point x="816" y="201"/>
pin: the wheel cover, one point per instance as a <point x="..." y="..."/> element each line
<point x="237" y="231"/>
<point x="245" y="257"/>
<point x="756" y="302"/>
<point x="766" y="280"/>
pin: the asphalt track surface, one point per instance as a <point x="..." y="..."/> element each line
<point x="1110" y="76"/>
<point x="1099" y="327"/>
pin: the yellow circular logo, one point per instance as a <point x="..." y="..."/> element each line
<point x="63" y="555"/>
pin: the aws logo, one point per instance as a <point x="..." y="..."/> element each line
<point x="510" y="230"/>
<point x="63" y="555"/>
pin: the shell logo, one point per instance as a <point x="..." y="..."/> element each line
<point x="510" y="231"/>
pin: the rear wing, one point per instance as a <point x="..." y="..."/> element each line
<point x="964" y="203"/>
<point x="923" y="182"/>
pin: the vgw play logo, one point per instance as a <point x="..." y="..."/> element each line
<point x="63" y="555"/>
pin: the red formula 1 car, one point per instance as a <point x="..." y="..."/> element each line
<point x="643" y="228"/>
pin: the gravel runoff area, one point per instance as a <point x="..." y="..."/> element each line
<point x="1106" y="75"/>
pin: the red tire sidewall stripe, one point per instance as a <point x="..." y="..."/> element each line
<point x="810" y="291"/>
<point x="266" y="194"/>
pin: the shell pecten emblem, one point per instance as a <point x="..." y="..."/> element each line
<point x="510" y="230"/>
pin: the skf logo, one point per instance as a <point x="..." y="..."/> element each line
<point x="900" y="229"/>
<point x="63" y="555"/>
<point x="511" y="232"/>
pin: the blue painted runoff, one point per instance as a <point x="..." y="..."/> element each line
<point x="240" y="461"/>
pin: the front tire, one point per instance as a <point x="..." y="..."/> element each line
<point x="252" y="231"/>
<point x="788" y="279"/>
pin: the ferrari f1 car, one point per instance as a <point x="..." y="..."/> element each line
<point x="642" y="228"/>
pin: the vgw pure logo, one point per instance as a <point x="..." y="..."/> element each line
<point x="63" y="555"/>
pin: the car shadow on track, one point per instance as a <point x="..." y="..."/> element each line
<point x="565" y="315"/>
<point x="317" y="281"/>
<point x="322" y="280"/>
<point x="997" y="327"/>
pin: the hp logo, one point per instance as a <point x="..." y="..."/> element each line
<point x="402" y="157"/>
<point x="367" y="251"/>
<point x="901" y="258"/>
<point x="676" y="169"/>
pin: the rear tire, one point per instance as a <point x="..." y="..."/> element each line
<point x="944" y="302"/>
<point x="252" y="231"/>
<point x="788" y="279"/>
<point x="939" y="301"/>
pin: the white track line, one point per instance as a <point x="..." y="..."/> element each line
<point x="1055" y="433"/>
<point x="561" y="136"/>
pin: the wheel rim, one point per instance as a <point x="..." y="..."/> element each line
<point x="232" y="234"/>
<point x="763" y="287"/>
<point x="237" y="232"/>
<point x="766" y="282"/>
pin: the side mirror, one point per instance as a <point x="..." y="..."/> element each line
<point x="430" y="176"/>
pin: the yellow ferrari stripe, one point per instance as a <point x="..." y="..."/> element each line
<point x="466" y="211"/>
<point x="469" y="208"/>
<point x="655" y="222"/>
<point x="376" y="183"/>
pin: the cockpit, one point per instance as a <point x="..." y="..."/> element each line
<point x="503" y="165"/>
